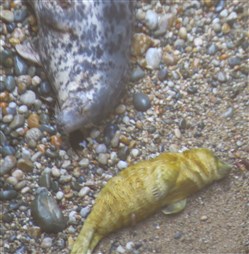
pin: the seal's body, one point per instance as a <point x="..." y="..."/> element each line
<point x="84" y="49"/>
<point x="141" y="189"/>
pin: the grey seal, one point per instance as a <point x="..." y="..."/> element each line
<point x="83" y="47"/>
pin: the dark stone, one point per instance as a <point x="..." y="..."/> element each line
<point x="46" y="213"/>
<point x="141" y="102"/>
<point x="20" y="66"/>
<point x="7" y="194"/>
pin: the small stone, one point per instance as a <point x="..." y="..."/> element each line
<point x="47" y="243"/>
<point x="18" y="121"/>
<point x="45" y="180"/>
<point x="140" y="43"/>
<point x="212" y="49"/>
<point x="137" y="74"/>
<point x="228" y="113"/>
<point x="122" y="165"/>
<point x="45" y="89"/>
<point x="20" y="66"/>
<point x="134" y="152"/>
<point x="7" y="164"/>
<point x="153" y="58"/>
<point x="141" y="102"/>
<point x="165" y="22"/>
<point x="36" y="81"/>
<point x="12" y="180"/>
<point x="204" y="218"/>
<point x="101" y="148"/>
<point x="25" y="165"/>
<point x="225" y="28"/>
<point x="55" y="172"/>
<point x="20" y="14"/>
<point x="162" y="74"/>
<point x="183" y="33"/>
<point x="18" y="174"/>
<point x="84" y="191"/>
<point x="178" y="235"/>
<point x="7" y="195"/>
<point x="33" y="134"/>
<point x="177" y="133"/>
<point x="33" y="120"/>
<point x="221" y="77"/>
<point x="10" y="83"/>
<point x="129" y="246"/>
<point x="7" y="15"/>
<point x="198" y="42"/>
<point x="151" y="19"/>
<point x="120" y="109"/>
<point x="85" y="211"/>
<point x="120" y="249"/>
<point x="84" y="163"/>
<point x="103" y="158"/>
<point x="46" y="212"/>
<point x="28" y="98"/>
<point x="72" y="217"/>
<point x="233" y="61"/>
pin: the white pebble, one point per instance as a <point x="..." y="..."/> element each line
<point x="151" y="19"/>
<point x="18" y="174"/>
<point x="129" y="246"/>
<point x="101" y="148"/>
<point x="28" y="98"/>
<point x="46" y="243"/>
<point x="72" y="217"/>
<point x="134" y="152"/>
<point x="122" y="164"/>
<point x="55" y="172"/>
<point x="120" y="249"/>
<point x="83" y="191"/>
<point x="153" y="57"/>
<point x="85" y="211"/>
<point x="84" y="163"/>
<point x="36" y="81"/>
<point x="198" y="42"/>
<point x="23" y="109"/>
<point x="59" y="195"/>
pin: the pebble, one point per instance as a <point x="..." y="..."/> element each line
<point x="122" y="165"/>
<point x="221" y="77"/>
<point x="33" y="134"/>
<point x="45" y="180"/>
<point x="101" y="148"/>
<point x="85" y="211"/>
<point x="137" y="74"/>
<point x="7" y="195"/>
<point x="46" y="213"/>
<point x="204" y="218"/>
<point x="10" y="83"/>
<point x="6" y="164"/>
<point x="121" y="109"/>
<point x="153" y="58"/>
<point x="28" y="98"/>
<point x="18" y="121"/>
<point x="178" y="235"/>
<point x="120" y="249"/>
<point x="45" y="89"/>
<point x="25" y="165"/>
<point x="103" y="158"/>
<point x="47" y="243"/>
<point x="165" y="21"/>
<point x="151" y="19"/>
<point x="33" y="121"/>
<point x="18" y="174"/>
<point x="84" y="163"/>
<point x="129" y="246"/>
<point x="162" y="74"/>
<point x="233" y="61"/>
<point x="20" y="66"/>
<point x="134" y="152"/>
<point x="84" y="191"/>
<point x="228" y="113"/>
<point x="141" y="102"/>
<point x="183" y="33"/>
<point x="7" y="15"/>
<point x="212" y="49"/>
<point x="20" y="14"/>
<point x="72" y="217"/>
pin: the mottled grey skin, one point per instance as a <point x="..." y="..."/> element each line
<point x="84" y="49"/>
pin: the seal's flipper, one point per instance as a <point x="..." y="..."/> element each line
<point x="175" y="207"/>
<point x="28" y="52"/>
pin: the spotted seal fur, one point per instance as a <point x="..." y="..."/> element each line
<point x="84" y="49"/>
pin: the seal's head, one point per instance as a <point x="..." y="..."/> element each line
<point x="84" y="49"/>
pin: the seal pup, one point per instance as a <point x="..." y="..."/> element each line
<point x="145" y="187"/>
<point x="83" y="47"/>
